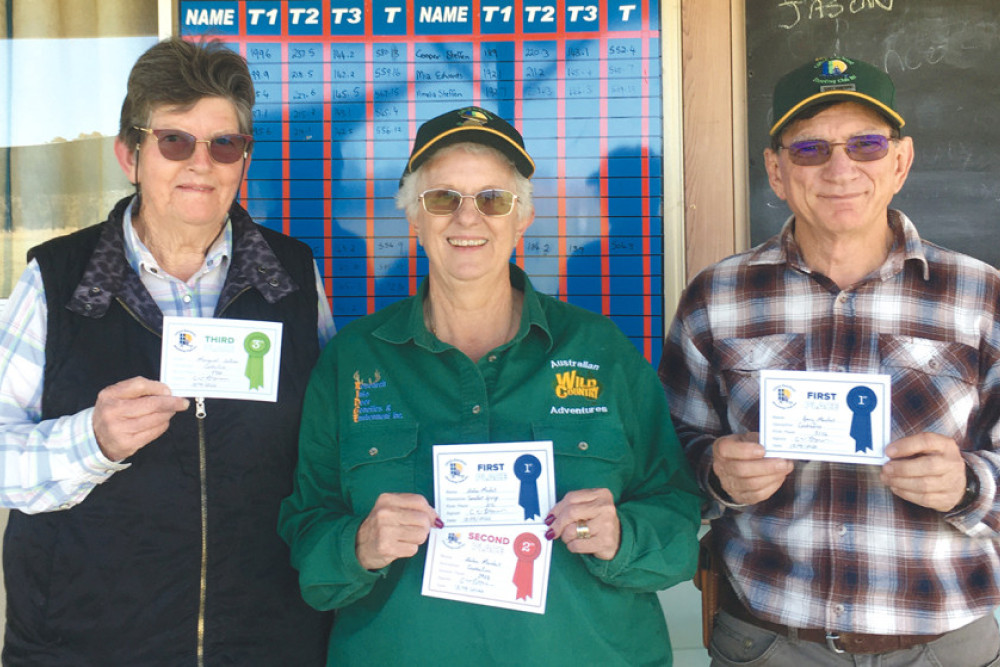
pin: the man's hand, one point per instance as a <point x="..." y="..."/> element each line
<point x="131" y="414"/>
<point x="738" y="461"/>
<point x="927" y="469"/>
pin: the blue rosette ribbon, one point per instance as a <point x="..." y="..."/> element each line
<point x="527" y="468"/>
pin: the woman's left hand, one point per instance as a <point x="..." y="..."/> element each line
<point x="587" y="521"/>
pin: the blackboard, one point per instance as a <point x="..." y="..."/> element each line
<point x="944" y="58"/>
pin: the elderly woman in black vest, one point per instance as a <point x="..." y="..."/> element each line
<point x="146" y="526"/>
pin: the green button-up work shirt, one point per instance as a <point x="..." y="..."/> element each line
<point x="386" y="390"/>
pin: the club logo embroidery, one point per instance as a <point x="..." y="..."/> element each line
<point x="366" y="393"/>
<point x="571" y="383"/>
<point x="576" y="379"/>
<point x="471" y="116"/>
<point x="833" y="67"/>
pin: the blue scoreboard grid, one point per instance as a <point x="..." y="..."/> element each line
<point x="342" y="86"/>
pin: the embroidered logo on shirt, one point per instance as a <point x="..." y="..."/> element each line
<point x="364" y="409"/>
<point x="572" y="383"/>
<point x="576" y="379"/>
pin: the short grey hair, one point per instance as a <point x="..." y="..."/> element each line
<point x="178" y="74"/>
<point x="408" y="197"/>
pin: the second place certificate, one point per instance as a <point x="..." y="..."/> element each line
<point x="493" y="499"/>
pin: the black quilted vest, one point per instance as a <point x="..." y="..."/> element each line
<point x="116" y="579"/>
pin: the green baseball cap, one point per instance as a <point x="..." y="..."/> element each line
<point x="469" y="124"/>
<point x="833" y="79"/>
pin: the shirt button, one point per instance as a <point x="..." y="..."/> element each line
<point x="95" y="290"/>
<point x="583" y="446"/>
<point x="492" y="358"/>
<point x="187" y="298"/>
<point x="373" y="451"/>
<point x="842" y="298"/>
<point x="841" y="530"/>
<point x="839" y="609"/>
<point x="476" y="409"/>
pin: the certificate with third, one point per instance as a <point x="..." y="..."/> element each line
<point x="493" y="499"/>
<point x="842" y="417"/>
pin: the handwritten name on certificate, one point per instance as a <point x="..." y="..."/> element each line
<point x="205" y="357"/>
<point x="841" y="417"/>
<point x="493" y="499"/>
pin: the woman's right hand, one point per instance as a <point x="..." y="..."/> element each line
<point x="395" y="528"/>
<point x="130" y="414"/>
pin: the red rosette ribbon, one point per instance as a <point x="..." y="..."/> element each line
<point x="527" y="548"/>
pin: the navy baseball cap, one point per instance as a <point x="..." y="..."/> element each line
<point x="469" y="124"/>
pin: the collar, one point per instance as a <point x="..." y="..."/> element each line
<point x="141" y="259"/>
<point x="906" y="246"/>
<point x="109" y="275"/>
<point x="407" y="323"/>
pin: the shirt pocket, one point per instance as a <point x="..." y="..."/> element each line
<point x="934" y="384"/>
<point x="740" y="361"/>
<point x="381" y="459"/>
<point x="590" y="453"/>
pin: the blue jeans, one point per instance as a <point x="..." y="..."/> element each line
<point x="739" y="644"/>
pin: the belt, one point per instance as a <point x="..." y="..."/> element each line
<point x="838" y="642"/>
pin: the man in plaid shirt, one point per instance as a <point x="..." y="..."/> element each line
<point x="832" y="563"/>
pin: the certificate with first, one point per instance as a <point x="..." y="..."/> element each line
<point x="493" y="499"/>
<point x="841" y="417"/>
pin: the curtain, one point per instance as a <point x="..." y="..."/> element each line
<point x="63" y="69"/>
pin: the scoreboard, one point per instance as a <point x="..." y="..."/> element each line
<point x="342" y="86"/>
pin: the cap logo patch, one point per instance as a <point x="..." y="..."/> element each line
<point x="839" y="86"/>
<point x="833" y="67"/>
<point x="472" y="116"/>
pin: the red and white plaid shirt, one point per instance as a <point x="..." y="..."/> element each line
<point x="833" y="548"/>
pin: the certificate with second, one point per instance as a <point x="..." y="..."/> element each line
<point x="493" y="499"/>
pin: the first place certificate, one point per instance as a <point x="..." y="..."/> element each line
<point x="840" y="417"/>
<point x="493" y="499"/>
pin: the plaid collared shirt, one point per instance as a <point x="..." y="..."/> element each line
<point x="833" y="548"/>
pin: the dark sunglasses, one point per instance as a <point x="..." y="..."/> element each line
<point x="862" y="148"/>
<point x="488" y="202"/>
<point x="177" y="145"/>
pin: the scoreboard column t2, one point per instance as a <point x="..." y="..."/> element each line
<point x="342" y="86"/>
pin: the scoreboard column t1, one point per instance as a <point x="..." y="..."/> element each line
<point x="342" y="86"/>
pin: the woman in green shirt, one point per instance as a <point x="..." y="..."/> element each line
<point x="478" y="356"/>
